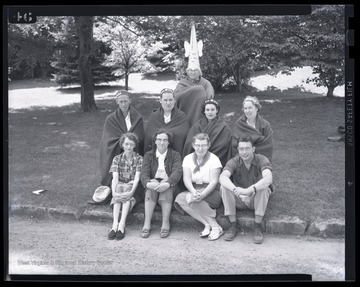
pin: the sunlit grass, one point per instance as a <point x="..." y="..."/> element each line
<point x="57" y="149"/>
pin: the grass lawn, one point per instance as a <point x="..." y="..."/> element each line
<point x="57" y="149"/>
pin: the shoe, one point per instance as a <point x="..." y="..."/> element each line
<point x="145" y="233"/>
<point x="164" y="232"/>
<point x="258" y="237"/>
<point x="111" y="234"/>
<point x="120" y="235"/>
<point x="206" y="231"/>
<point x="215" y="233"/>
<point x="231" y="233"/>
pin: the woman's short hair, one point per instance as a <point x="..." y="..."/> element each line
<point x="210" y="102"/>
<point x="252" y="99"/>
<point x="163" y="131"/>
<point x="131" y="136"/>
<point x="201" y="137"/>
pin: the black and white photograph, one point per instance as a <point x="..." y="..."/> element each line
<point x="179" y="143"/>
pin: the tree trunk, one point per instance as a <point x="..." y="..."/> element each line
<point x="239" y="80"/>
<point x="330" y="91"/>
<point x="85" y="33"/>
<point x="126" y="81"/>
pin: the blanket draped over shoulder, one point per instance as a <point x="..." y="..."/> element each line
<point x="190" y="97"/>
<point x="219" y="134"/>
<point x="114" y="127"/>
<point x="178" y="126"/>
<point x="262" y="136"/>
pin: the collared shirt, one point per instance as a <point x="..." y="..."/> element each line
<point x="127" y="121"/>
<point x="167" y="119"/>
<point x="161" y="173"/>
<point x="126" y="169"/>
<point x="244" y="177"/>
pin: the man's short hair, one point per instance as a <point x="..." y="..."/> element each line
<point x="167" y="90"/>
<point x="245" y="139"/>
<point x="119" y="94"/>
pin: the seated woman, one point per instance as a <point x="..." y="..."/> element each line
<point x="217" y="130"/>
<point x="201" y="171"/>
<point x="160" y="173"/>
<point x="125" y="169"/>
<point x="252" y="124"/>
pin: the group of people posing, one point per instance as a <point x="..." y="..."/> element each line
<point x="187" y="158"/>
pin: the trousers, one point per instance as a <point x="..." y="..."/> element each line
<point x="257" y="202"/>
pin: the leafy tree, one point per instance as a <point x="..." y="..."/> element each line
<point x="317" y="40"/>
<point x="236" y="46"/>
<point x="66" y="57"/>
<point x="326" y="46"/>
<point x="130" y="51"/>
<point x="230" y="44"/>
<point x="30" y="48"/>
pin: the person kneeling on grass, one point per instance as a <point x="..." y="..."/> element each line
<point x="125" y="169"/>
<point x="252" y="176"/>
<point x="201" y="170"/>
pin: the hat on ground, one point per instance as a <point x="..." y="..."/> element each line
<point x="101" y="194"/>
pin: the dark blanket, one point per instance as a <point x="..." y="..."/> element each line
<point x="262" y="136"/>
<point x="178" y="126"/>
<point x="190" y="97"/>
<point x="219" y="134"/>
<point x="114" y="127"/>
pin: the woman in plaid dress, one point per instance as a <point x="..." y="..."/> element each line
<point x="125" y="169"/>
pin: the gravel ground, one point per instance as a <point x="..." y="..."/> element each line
<point x="82" y="248"/>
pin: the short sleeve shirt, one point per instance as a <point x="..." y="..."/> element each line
<point x="244" y="177"/>
<point x="126" y="169"/>
<point x="203" y="175"/>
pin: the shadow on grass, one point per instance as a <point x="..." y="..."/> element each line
<point x="141" y="100"/>
<point x="32" y="83"/>
<point x="97" y="89"/>
<point x="159" y="76"/>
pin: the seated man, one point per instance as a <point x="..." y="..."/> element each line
<point x="249" y="187"/>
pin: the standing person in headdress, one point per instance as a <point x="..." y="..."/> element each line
<point x="124" y="119"/>
<point x="168" y="117"/>
<point x="217" y="129"/>
<point x="193" y="90"/>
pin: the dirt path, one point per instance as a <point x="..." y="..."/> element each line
<point x="54" y="247"/>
